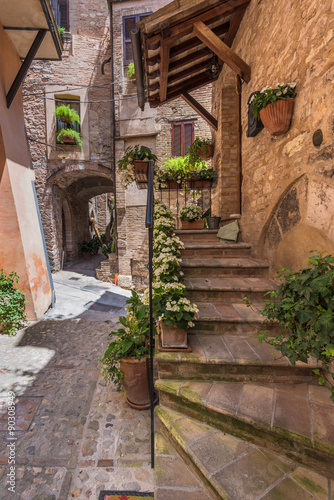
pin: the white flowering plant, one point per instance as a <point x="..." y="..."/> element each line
<point x="171" y="306"/>
<point x="191" y="213"/>
<point x="125" y="165"/>
<point x="268" y="95"/>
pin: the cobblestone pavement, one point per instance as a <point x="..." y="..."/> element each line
<point x="75" y="435"/>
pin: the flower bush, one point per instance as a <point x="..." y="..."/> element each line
<point x="126" y="163"/>
<point x="180" y="168"/>
<point x="12" y="304"/>
<point x="268" y="95"/>
<point x="191" y="213"/>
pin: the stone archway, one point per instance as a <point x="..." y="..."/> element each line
<point x="301" y="221"/>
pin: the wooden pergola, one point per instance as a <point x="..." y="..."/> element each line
<point x="180" y="41"/>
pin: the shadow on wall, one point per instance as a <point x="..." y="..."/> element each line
<point x="302" y="221"/>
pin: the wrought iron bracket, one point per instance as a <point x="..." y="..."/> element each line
<point x="25" y="66"/>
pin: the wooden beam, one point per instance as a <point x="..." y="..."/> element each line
<point x="164" y="67"/>
<point x="200" y="110"/>
<point x="195" y="42"/>
<point x="222" y="50"/>
<point x="189" y="72"/>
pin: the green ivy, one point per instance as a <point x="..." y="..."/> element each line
<point x="303" y="306"/>
<point x="12" y="303"/>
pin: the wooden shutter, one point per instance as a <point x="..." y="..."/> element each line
<point x="176" y="139"/>
<point x="188" y="136"/>
<point x="64" y="21"/>
<point x="129" y="23"/>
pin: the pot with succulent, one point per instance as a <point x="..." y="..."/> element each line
<point x="86" y="249"/>
<point x="191" y="217"/>
<point x="274" y="106"/>
<point x="133" y="166"/>
<point x="125" y="361"/>
<point x="201" y="149"/>
<point x="131" y="72"/>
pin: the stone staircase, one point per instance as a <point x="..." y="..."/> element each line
<point x="236" y="420"/>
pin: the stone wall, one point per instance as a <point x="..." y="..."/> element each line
<point x="287" y="182"/>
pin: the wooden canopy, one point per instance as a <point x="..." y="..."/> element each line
<point x="179" y="42"/>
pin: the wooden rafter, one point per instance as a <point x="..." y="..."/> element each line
<point x="195" y="42"/>
<point x="234" y="25"/>
<point x="200" y="110"/>
<point x="164" y="66"/>
<point x="222" y="50"/>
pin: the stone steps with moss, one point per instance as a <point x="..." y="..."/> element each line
<point x="232" y="358"/>
<point x="228" y="290"/>
<point x="212" y="249"/>
<point x="222" y="267"/>
<point x="198" y="235"/>
<point x="296" y="421"/>
<point x="229" y="467"/>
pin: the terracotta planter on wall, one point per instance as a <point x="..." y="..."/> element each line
<point x="196" y="224"/>
<point x="173" y="337"/>
<point x="195" y="183"/>
<point x="136" y="382"/>
<point x="141" y="170"/>
<point x="69" y="140"/>
<point x="276" y="117"/>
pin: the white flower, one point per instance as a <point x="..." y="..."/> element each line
<point x="279" y="93"/>
<point x="292" y="84"/>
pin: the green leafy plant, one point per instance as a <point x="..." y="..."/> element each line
<point x="131" y="70"/>
<point x="61" y="30"/>
<point x="191" y="213"/>
<point x="268" y="95"/>
<point x="126" y="163"/>
<point x="67" y="114"/>
<point x="199" y="148"/>
<point x="173" y="169"/>
<point x="108" y="248"/>
<point x="303" y="306"/>
<point x="12" y="304"/>
<point x="86" y="247"/>
<point x="65" y="133"/>
<point x="129" y="341"/>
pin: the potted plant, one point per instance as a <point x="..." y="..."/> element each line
<point x="125" y="360"/>
<point x="302" y="306"/>
<point x="213" y="221"/>
<point x="69" y="136"/>
<point x="12" y="304"/>
<point x="133" y="166"/>
<point x="173" y="171"/>
<point x="67" y="114"/>
<point x="131" y="71"/>
<point x="191" y="217"/>
<point x="95" y="244"/>
<point x="274" y="106"/>
<point x="202" y="176"/>
<point x="108" y="248"/>
<point x="201" y="149"/>
<point x="86" y="248"/>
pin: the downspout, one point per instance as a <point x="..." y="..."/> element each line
<point x="113" y="129"/>
<point x="138" y="62"/>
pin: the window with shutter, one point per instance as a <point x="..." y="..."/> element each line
<point x="182" y="137"/>
<point x="129" y="23"/>
<point x="64" y="21"/>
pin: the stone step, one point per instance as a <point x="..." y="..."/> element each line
<point x="174" y="480"/>
<point x="227" y="289"/>
<point x="200" y="250"/>
<point x="199" y="235"/>
<point x="219" y="268"/>
<point x="231" y="319"/>
<point x="296" y="421"/>
<point x="234" y="359"/>
<point x="234" y="469"/>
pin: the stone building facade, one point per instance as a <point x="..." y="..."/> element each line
<point x="284" y="185"/>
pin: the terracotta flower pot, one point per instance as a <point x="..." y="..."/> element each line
<point x="276" y="117"/>
<point x="200" y="184"/>
<point x="69" y="140"/>
<point x="135" y="381"/>
<point x="172" y="185"/>
<point x="173" y="337"/>
<point x="141" y="170"/>
<point x="196" y="224"/>
<point x="87" y="255"/>
<point x="206" y="152"/>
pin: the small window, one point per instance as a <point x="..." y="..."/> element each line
<point x="182" y="137"/>
<point x="75" y="104"/>
<point x="129" y="23"/>
<point x="61" y="13"/>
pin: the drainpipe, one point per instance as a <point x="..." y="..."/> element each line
<point x="138" y="62"/>
<point x="113" y="128"/>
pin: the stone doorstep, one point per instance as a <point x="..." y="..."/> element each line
<point x="235" y="469"/>
<point x="293" y="420"/>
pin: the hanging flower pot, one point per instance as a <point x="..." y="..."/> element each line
<point x="173" y="337"/>
<point x="141" y="170"/>
<point x="276" y="117"/>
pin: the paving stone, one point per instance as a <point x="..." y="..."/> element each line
<point x="165" y="494"/>
<point x="312" y="482"/>
<point x="215" y="348"/>
<point x="167" y="416"/>
<point x="257" y="403"/>
<point x="195" y="391"/>
<point x="247" y="313"/>
<point x="207" y="311"/>
<point x="320" y="394"/>
<point x="266" y="352"/>
<point x="287" y="490"/>
<point x="172" y="472"/>
<point x="292" y="414"/>
<point x="250" y="476"/>
<point x="163" y="446"/>
<point x="323" y="423"/>
<point x="217" y="450"/>
<point x="241" y="351"/>
<point x="228" y="312"/>
<point x="225" y="396"/>
<point x="197" y="353"/>
<point x="186" y="431"/>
